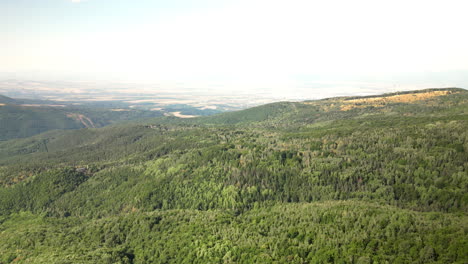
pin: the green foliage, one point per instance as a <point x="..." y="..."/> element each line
<point x="40" y="192"/>
<point x="330" y="232"/>
<point x="281" y="183"/>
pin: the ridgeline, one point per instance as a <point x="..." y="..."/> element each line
<point x="376" y="179"/>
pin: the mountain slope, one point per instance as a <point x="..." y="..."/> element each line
<point x="6" y="100"/>
<point x="352" y="180"/>
<point x="19" y="120"/>
<point x="300" y="113"/>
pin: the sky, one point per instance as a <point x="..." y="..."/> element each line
<point x="285" y="46"/>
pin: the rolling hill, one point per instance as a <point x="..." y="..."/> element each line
<point x="21" y="118"/>
<point x="376" y="179"/>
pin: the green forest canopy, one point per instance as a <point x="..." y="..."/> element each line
<point x="379" y="179"/>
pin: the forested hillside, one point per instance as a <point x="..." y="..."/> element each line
<point x="24" y="118"/>
<point x="377" y="179"/>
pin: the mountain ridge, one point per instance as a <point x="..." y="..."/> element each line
<point x="289" y="182"/>
<point x="6" y="100"/>
<point x="327" y="106"/>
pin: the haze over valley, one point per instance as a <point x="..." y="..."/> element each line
<point x="233" y="131"/>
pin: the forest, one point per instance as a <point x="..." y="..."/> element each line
<point x="377" y="179"/>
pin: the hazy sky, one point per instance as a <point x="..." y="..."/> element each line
<point x="250" y="43"/>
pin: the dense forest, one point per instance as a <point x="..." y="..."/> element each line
<point x="377" y="179"/>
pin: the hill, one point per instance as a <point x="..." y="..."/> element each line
<point x="6" y="100"/>
<point x="302" y="113"/>
<point x="21" y="118"/>
<point x="379" y="179"/>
